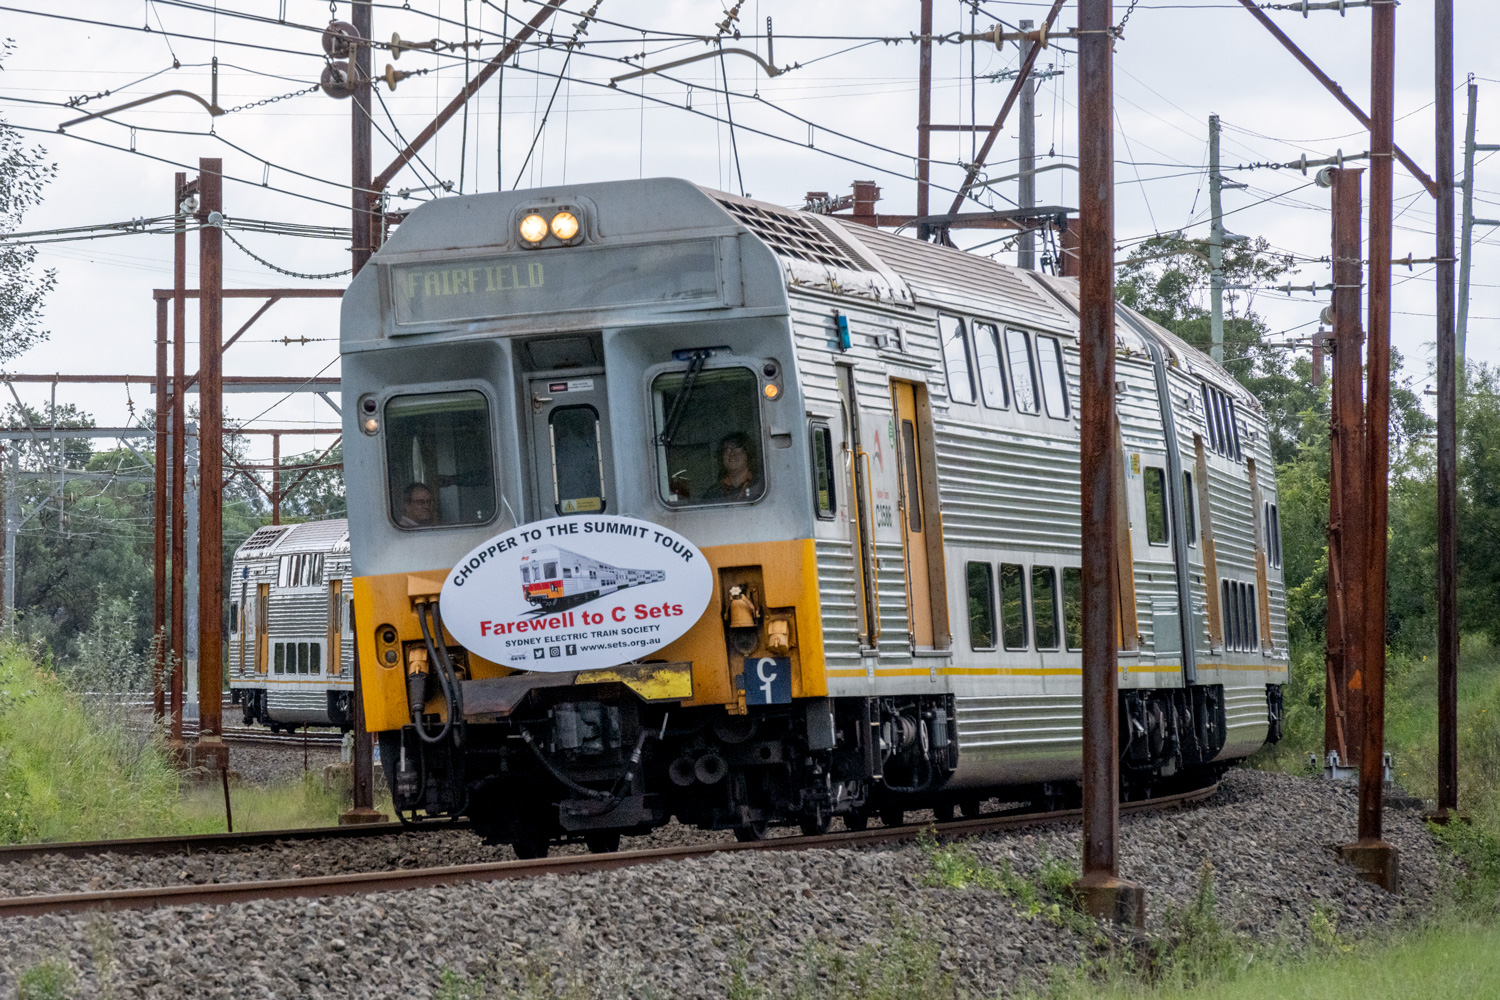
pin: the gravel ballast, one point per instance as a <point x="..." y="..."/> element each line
<point x="684" y="929"/>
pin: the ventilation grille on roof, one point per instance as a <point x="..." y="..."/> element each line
<point x="263" y="538"/>
<point x="793" y="235"/>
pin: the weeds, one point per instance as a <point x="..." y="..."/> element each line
<point x="49" y="980"/>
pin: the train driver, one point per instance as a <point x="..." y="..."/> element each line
<point x="739" y="472"/>
<point x="418" y="507"/>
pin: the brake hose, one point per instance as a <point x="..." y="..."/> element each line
<point x="434" y="664"/>
<point x="457" y="688"/>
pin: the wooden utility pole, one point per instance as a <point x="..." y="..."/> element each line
<point x="178" y="642"/>
<point x="1101" y="890"/>
<point x="1374" y="859"/>
<point x="362" y="765"/>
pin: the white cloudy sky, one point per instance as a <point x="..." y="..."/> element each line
<point x="1180" y="61"/>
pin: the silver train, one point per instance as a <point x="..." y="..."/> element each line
<point x="291" y="655"/>
<point x="874" y="442"/>
<point x="554" y="578"/>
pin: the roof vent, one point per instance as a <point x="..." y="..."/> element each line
<point x="264" y="538"/>
<point x="792" y="234"/>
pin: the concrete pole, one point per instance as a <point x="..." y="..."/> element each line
<point x="1215" y="245"/>
<point x="1467" y="239"/>
<point x="1026" y="185"/>
<point x="190" y="492"/>
<point x="12" y="525"/>
<point x="180" y="557"/>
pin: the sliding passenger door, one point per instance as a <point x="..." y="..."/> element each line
<point x="913" y="464"/>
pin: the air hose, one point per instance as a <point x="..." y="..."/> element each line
<point x="442" y="673"/>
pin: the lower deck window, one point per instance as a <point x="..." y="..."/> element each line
<point x="1013" y="605"/>
<point x="292" y="658"/>
<point x="1072" y="580"/>
<point x="708" y="437"/>
<point x="981" y="586"/>
<point x="1044" y="606"/>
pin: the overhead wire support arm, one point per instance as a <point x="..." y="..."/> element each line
<point x="769" y="67"/>
<point x="211" y="105"/>
<point x="480" y="79"/>
<point x="972" y="171"/>
<point x="1338" y="92"/>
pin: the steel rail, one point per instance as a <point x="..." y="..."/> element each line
<point x="190" y="843"/>
<point x="417" y="878"/>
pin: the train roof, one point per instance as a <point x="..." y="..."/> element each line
<point x="309" y="536"/>
<point x="814" y="252"/>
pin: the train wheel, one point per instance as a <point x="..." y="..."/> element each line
<point x="602" y="841"/>
<point x="856" y="822"/>
<point x="750" y="832"/>
<point x="816" y="825"/>
<point x="532" y="841"/>
<point x="943" y="812"/>
<point x="893" y="816"/>
<point x="970" y="808"/>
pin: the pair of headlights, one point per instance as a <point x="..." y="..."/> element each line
<point x="534" y="228"/>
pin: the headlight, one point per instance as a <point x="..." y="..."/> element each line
<point x="533" y="228"/>
<point x="565" y="225"/>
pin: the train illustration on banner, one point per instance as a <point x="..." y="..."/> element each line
<point x="554" y="578"/>
<point x="793" y="506"/>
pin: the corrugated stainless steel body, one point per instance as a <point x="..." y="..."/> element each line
<point x="1006" y="481"/>
<point x="295" y="612"/>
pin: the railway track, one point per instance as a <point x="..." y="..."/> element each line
<point x="415" y="878"/>
<point x="192" y="843"/>
<point x="259" y="736"/>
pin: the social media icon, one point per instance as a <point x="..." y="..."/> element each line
<point x="555" y="650"/>
<point x="539" y="653"/>
<point x="572" y="649"/>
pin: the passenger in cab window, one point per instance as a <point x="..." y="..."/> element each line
<point x="739" y="470"/>
<point x="417" y="507"/>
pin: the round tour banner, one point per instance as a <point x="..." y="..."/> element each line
<point x="576" y="593"/>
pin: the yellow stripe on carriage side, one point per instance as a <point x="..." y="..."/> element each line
<point x="846" y="673"/>
<point x="1012" y="671"/>
<point x="902" y="672"/>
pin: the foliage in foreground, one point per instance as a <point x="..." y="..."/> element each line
<point x="75" y="767"/>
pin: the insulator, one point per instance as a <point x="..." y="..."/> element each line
<point x="336" y="81"/>
<point x="338" y="39"/>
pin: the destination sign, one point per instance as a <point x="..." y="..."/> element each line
<point x="559" y="280"/>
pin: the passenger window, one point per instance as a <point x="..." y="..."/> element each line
<point x="1073" y="607"/>
<point x="577" y="466"/>
<point x="956" y="359"/>
<point x="280" y="649"/>
<point x="981" y="606"/>
<point x="1252" y="617"/>
<point x="234" y="617"/>
<point x="991" y="370"/>
<point x="315" y="651"/>
<point x="438" y="459"/>
<point x="913" y="496"/>
<point x="1156" y="504"/>
<point x="1054" y="378"/>
<point x="708" y="439"/>
<point x="1273" y="525"/>
<point x="1044" y="605"/>
<point x="1013" y="605"/>
<point x="1022" y="371"/>
<point x="302" y="658"/>
<point x="825" y="492"/>
<point x="1190" y="503"/>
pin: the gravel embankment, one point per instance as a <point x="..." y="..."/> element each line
<point x="679" y="929"/>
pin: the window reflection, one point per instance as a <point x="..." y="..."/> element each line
<point x="438" y="466"/>
<point x="708" y="437"/>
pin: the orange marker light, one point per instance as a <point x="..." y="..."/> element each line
<point x="565" y="225"/>
<point x="533" y="228"/>
<point x="772" y="391"/>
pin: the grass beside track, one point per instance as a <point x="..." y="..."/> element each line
<point x="1460" y="961"/>
<point x="74" y="770"/>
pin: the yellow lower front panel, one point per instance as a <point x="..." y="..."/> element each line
<point x="789" y="574"/>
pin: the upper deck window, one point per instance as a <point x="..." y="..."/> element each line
<point x="1022" y="371"/>
<point x="956" y="359"/>
<point x="991" y="371"/>
<point x="438" y="466"/>
<point x="708" y="437"/>
<point x="1054" y="378"/>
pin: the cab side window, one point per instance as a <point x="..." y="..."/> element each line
<point x="708" y="437"/>
<point x="437" y="455"/>
<point x="824" y="484"/>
